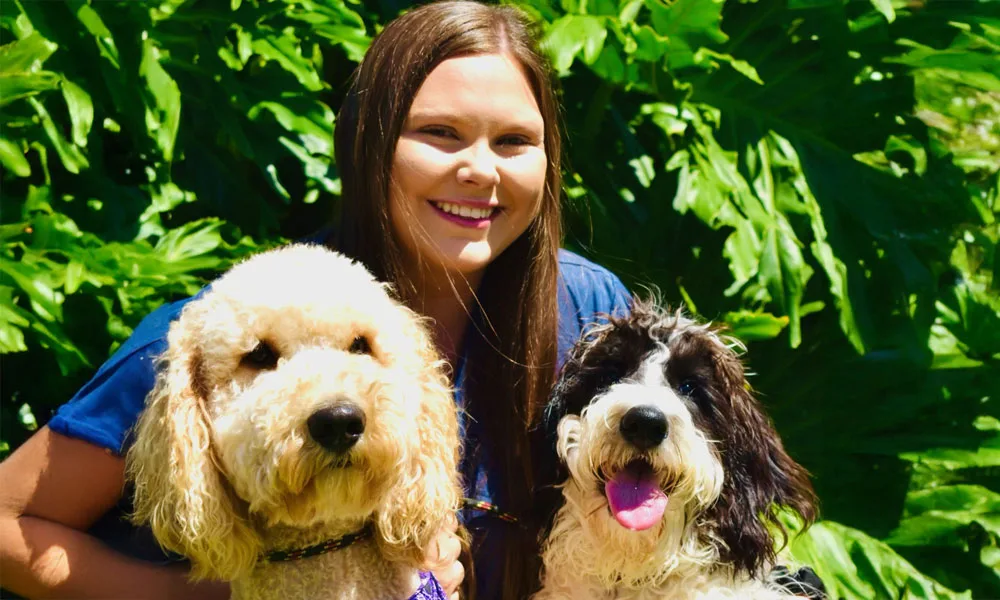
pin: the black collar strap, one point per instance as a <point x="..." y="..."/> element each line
<point x="366" y="532"/>
<point x="322" y="547"/>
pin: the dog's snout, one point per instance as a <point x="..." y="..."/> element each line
<point x="644" y="426"/>
<point x="337" y="427"/>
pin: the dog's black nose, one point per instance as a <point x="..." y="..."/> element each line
<point x="644" y="426"/>
<point x="338" y="427"/>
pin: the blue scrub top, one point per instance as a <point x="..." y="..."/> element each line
<point x="106" y="408"/>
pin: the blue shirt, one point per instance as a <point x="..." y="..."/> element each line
<point x="106" y="408"/>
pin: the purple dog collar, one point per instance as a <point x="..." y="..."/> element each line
<point x="429" y="589"/>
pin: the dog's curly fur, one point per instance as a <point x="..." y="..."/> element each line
<point x="223" y="464"/>
<point x="720" y="462"/>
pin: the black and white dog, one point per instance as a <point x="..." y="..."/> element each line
<point x="675" y="474"/>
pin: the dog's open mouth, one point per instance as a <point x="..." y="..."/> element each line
<point x="635" y="497"/>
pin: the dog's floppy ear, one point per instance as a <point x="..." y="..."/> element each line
<point x="582" y="375"/>
<point x="551" y="470"/>
<point x="760" y="477"/>
<point x="426" y="497"/>
<point x="591" y="366"/>
<point x="179" y="490"/>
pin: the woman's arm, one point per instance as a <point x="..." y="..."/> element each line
<point x="54" y="488"/>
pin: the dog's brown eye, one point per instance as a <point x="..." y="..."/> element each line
<point x="360" y="345"/>
<point x="262" y="357"/>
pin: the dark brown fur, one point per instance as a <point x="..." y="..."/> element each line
<point x="760" y="477"/>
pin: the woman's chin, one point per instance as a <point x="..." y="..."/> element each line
<point x="469" y="260"/>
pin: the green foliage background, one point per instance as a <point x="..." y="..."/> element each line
<point x="822" y="175"/>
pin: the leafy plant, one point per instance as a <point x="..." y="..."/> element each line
<point x="821" y="175"/>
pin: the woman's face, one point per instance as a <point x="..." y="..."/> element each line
<point x="469" y="169"/>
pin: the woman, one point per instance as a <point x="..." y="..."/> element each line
<point x="449" y="151"/>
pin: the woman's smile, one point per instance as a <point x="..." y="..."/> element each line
<point x="466" y="213"/>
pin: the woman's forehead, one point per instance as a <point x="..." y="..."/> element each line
<point x="473" y="84"/>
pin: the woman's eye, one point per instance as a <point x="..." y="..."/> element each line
<point x="514" y="140"/>
<point x="360" y="345"/>
<point x="262" y="357"/>
<point x="441" y="132"/>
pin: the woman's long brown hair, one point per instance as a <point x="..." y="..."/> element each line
<point x="509" y="374"/>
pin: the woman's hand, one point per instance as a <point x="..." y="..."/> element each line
<point x="442" y="559"/>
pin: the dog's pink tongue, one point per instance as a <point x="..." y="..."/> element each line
<point x="635" y="498"/>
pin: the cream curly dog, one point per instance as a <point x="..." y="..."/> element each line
<point x="297" y="404"/>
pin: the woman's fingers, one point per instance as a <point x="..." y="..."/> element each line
<point x="442" y="559"/>
<point x="450" y="577"/>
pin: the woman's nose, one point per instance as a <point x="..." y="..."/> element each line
<point x="478" y="165"/>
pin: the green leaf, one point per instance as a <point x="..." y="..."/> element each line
<point x="12" y="158"/>
<point x="984" y="456"/>
<point x="970" y="66"/>
<point x="286" y="51"/>
<point x="27" y="418"/>
<point x="340" y="26"/>
<point x="81" y="111"/>
<point x="29" y="277"/>
<point x="162" y="100"/>
<point x="192" y="240"/>
<point x="271" y="173"/>
<point x="68" y="355"/>
<point x="688" y="25"/>
<point x="629" y="10"/>
<point x="92" y="22"/>
<point x="885" y="7"/>
<point x="711" y="58"/>
<point x="16" y="87"/>
<point x="743" y="251"/>
<point x="24" y="56"/>
<point x="12" y="321"/>
<point x="69" y="154"/>
<point x="165" y="197"/>
<point x="785" y="273"/>
<point x="755" y="326"/>
<point x="313" y="121"/>
<point x="316" y="167"/>
<point x="855" y="565"/>
<point x="972" y="315"/>
<point x="833" y="266"/>
<point x="650" y="46"/>
<point x="572" y="35"/>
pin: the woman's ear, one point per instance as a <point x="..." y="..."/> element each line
<point x="179" y="490"/>
<point x="428" y="496"/>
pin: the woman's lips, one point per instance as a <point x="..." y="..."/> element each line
<point x="473" y="216"/>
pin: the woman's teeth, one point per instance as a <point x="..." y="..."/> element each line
<point x="464" y="211"/>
